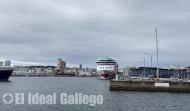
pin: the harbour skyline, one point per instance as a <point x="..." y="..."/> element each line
<point x="34" y="32"/>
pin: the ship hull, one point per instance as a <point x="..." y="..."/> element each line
<point x="106" y="74"/>
<point x="5" y="74"/>
<point x="64" y="75"/>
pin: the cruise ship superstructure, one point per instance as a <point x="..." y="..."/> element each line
<point x="106" y="68"/>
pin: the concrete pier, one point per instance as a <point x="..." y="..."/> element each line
<point x="150" y="86"/>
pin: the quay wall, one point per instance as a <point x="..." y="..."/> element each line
<point x="149" y="86"/>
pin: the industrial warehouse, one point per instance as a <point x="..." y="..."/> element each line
<point x="171" y="72"/>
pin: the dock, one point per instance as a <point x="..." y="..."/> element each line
<point x="150" y="86"/>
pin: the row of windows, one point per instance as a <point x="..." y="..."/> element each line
<point x="105" y="67"/>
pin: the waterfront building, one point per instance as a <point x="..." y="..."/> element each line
<point x="61" y="65"/>
<point x="163" y="72"/>
<point x="64" y="65"/>
<point x="87" y="68"/>
<point x="34" y="70"/>
<point x="84" y="73"/>
<point x="80" y="66"/>
<point x="1" y="63"/>
<point x="7" y="63"/>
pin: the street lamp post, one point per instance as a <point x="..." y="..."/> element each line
<point x="151" y="61"/>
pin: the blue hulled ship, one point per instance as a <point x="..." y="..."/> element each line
<point x="5" y="72"/>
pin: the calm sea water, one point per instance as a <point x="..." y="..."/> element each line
<point x="113" y="100"/>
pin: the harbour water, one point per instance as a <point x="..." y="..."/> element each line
<point x="112" y="100"/>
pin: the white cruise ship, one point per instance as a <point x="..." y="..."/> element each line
<point x="106" y="68"/>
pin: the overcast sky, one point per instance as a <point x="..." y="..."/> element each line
<point x="82" y="31"/>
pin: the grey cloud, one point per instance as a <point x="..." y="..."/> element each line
<point x="83" y="31"/>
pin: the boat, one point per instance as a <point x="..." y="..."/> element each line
<point x="5" y="72"/>
<point x="106" y="68"/>
<point x="64" y="74"/>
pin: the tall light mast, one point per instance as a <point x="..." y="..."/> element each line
<point x="157" y="53"/>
